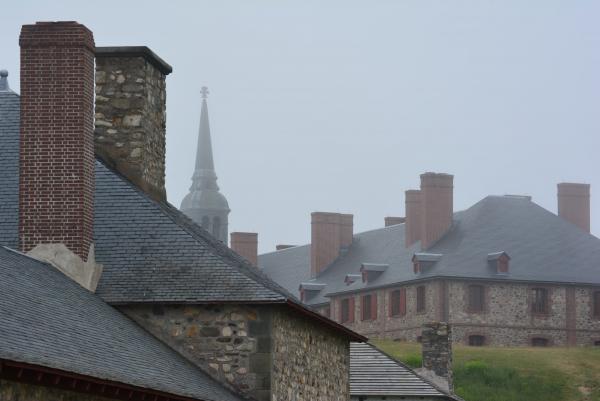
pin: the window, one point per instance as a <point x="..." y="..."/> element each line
<point x="368" y="307"/>
<point x="539" y="342"/>
<point x="216" y="228"/>
<point x="347" y="310"/>
<point x="476" y="340"/>
<point x="596" y="302"/>
<point x="398" y="302"/>
<point x="476" y="298"/>
<point x="539" y="300"/>
<point x="503" y="265"/>
<point x="421" y="298"/>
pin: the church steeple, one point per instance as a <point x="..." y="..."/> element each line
<point x="205" y="204"/>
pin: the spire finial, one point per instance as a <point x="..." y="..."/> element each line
<point x="4" y="81"/>
<point x="204" y="91"/>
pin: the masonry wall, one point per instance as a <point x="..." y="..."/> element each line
<point x="230" y="342"/>
<point x="13" y="391"/>
<point x="310" y="362"/>
<point x="505" y="321"/>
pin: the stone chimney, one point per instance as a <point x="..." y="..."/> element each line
<point x="246" y="245"/>
<point x="437" y="354"/>
<point x="131" y="115"/>
<point x="574" y="204"/>
<point x="436" y="207"/>
<point x="412" y="228"/>
<point x="56" y="160"/>
<point x="331" y="233"/>
<point x="392" y="221"/>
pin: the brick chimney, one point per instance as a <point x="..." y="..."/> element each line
<point x="392" y="221"/>
<point x="56" y="179"/>
<point x="330" y="234"/>
<point x="246" y="245"/>
<point x="131" y="115"/>
<point x="574" y="204"/>
<point x="436" y="206"/>
<point x="412" y="228"/>
<point x="437" y="354"/>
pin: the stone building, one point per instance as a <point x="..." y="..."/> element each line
<point x="504" y="272"/>
<point x="128" y="298"/>
<point x="204" y="203"/>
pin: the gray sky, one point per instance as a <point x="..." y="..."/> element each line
<point x="340" y="105"/>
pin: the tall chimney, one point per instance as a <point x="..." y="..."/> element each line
<point x="412" y="228"/>
<point x="392" y="221"/>
<point x="246" y="245"/>
<point x="56" y="178"/>
<point x="574" y="204"/>
<point x="131" y="114"/>
<point x="437" y="354"/>
<point x="437" y="208"/>
<point x="330" y="234"/>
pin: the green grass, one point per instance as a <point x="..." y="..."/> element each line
<point x="516" y="374"/>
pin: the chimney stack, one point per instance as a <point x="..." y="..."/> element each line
<point x="131" y="114"/>
<point x="392" y="221"/>
<point x="246" y="245"/>
<point x="574" y="204"/>
<point x="280" y="247"/>
<point x="412" y="229"/>
<point x="437" y="354"/>
<point x="436" y="206"/>
<point x="56" y="178"/>
<point x="330" y="234"/>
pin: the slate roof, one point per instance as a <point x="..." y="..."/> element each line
<point x="373" y="373"/>
<point x="49" y="320"/>
<point x="542" y="246"/>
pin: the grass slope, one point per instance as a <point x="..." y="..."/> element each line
<point x="516" y="374"/>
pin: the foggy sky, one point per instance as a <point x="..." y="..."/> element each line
<point x="340" y="105"/>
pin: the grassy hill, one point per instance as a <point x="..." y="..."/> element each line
<point x="516" y="374"/>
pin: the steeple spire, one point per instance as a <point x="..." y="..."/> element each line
<point x="205" y="204"/>
<point x="204" y="176"/>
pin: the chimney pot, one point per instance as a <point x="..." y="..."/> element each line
<point x="574" y="204"/>
<point x="246" y="245"/>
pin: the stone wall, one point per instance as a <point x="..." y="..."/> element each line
<point x="310" y="362"/>
<point x="506" y="319"/>
<point x="230" y="342"/>
<point x="13" y="391"/>
<point x="131" y="119"/>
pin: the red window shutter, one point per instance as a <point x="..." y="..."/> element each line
<point x="402" y="301"/>
<point x="374" y="306"/>
<point x="351" y="308"/>
<point x="390" y="302"/>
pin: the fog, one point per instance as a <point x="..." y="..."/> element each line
<point x="340" y="105"/>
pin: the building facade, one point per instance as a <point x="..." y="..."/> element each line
<point x="504" y="272"/>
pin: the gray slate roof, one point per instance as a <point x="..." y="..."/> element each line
<point x="542" y="246"/>
<point x="49" y="320"/>
<point x="376" y="374"/>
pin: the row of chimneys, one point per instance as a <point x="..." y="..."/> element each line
<point x="58" y="141"/>
<point x="429" y="212"/>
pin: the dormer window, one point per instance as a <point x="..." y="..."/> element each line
<point x="370" y="271"/>
<point x="352" y="278"/>
<point x="422" y="261"/>
<point x="309" y="290"/>
<point x="499" y="261"/>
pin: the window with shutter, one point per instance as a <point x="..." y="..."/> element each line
<point x="476" y="295"/>
<point x="398" y="302"/>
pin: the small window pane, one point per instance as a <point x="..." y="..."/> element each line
<point x="539" y="300"/>
<point x="345" y="310"/>
<point x="366" y="307"/>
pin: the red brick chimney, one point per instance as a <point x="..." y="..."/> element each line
<point x="574" y="204"/>
<point x="437" y="208"/>
<point x="246" y="244"/>
<point x="412" y="228"/>
<point x="56" y="179"/>
<point x="392" y="221"/>
<point x="330" y="234"/>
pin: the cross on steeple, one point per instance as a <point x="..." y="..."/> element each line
<point x="204" y="91"/>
